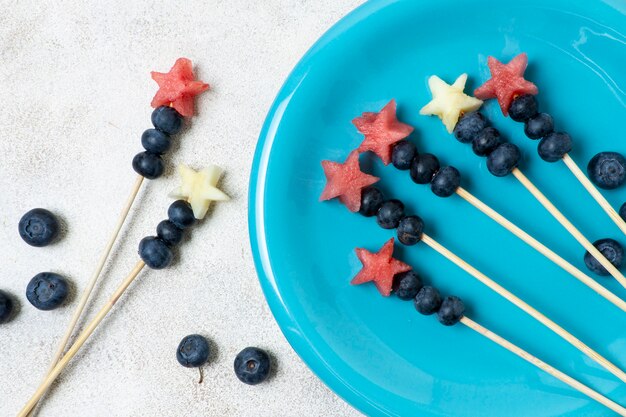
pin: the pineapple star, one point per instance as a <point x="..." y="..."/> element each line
<point x="199" y="188"/>
<point x="506" y="82"/>
<point x="449" y="101"/>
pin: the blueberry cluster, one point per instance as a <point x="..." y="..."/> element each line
<point x="166" y="121"/>
<point x="156" y="251"/>
<point x="424" y="169"/>
<point x="408" y="285"/>
<point x="553" y="145"/>
<point x="502" y="157"/>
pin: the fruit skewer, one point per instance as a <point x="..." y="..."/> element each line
<point x="172" y="103"/>
<point x="458" y="112"/>
<point x="385" y="136"/>
<point x="196" y="192"/>
<point x="389" y="273"/>
<point x="517" y="99"/>
<point x="354" y="189"/>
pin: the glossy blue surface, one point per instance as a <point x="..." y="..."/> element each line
<point x="378" y="353"/>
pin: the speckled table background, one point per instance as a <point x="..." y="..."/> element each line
<point x="76" y="88"/>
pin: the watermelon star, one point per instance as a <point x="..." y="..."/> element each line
<point x="346" y="181"/>
<point x="449" y="101"/>
<point x="178" y="87"/>
<point x="379" y="267"/>
<point x="506" y="82"/>
<point x="381" y="131"/>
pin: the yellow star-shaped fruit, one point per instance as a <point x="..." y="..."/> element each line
<point x="199" y="188"/>
<point x="449" y="101"/>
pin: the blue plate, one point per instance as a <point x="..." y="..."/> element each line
<point x="376" y="352"/>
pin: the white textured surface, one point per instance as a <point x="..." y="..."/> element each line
<point x="75" y="86"/>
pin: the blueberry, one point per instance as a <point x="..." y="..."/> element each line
<point x="47" y="290"/>
<point x="389" y="214"/>
<point x="406" y="285"/>
<point x="167" y="120"/>
<point x="503" y="159"/>
<point x="446" y="181"/>
<point x="193" y="351"/>
<point x="155" y="141"/>
<point x="149" y="165"/>
<point x="410" y="230"/>
<point x="38" y="227"/>
<point x="622" y="212"/>
<point x="611" y="250"/>
<point x="607" y="170"/>
<point x="402" y="154"/>
<point x="6" y="307"/>
<point x="427" y="300"/>
<point x="181" y="214"/>
<point x="155" y="252"/>
<point x="371" y="200"/>
<point x="523" y="108"/>
<point x="451" y="311"/>
<point x="423" y="168"/>
<point x="169" y="233"/>
<point x="553" y="146"/>
<point x="252" y="366"/>
<point x="469" y="126"/>
<point x="539" y="126"/>
<point x="486" y="141"/>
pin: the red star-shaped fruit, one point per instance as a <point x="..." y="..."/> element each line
<point x="506" y="82"/>
<point x="346" y="181"/>
<point x="381" y="131"/>
<point x="379" y="267"/>
<point x="178" y="87"/>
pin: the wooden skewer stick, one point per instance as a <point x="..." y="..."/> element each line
<point x="544" y="366"/>
<point x="592" y="354"/>
<point x="81" y="339"/>
<point x="541" y="248"/>
<point x="569" y="226"/>
<point x="84" y="298"/>
<point x="582" y="178"/>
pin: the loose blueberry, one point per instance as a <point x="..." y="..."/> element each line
<point x="155" y="141"/>
<point x="38" y="227"/>
<point x="371" y="200"/>
<point x="410" y="230"/>
<point x="622" y="212"/>
<point x="451" y="311"/>
<point x="6" y="307"/>
<point x="523" y="108"/>
<point x="148" y="165"/>
<point x="423" y="168"/>
<point x="193" y="351"/>
<point x="469" y="126"/>
<point x="486" y="141"/>
<point x="402" y="154"/>
<point x="503" y="159"/>
<point x="446" y="181"/>
<point x="553" y="146"/>
<point x="47" y="290"/>
<point x="611" y="250"/>
<point x="538" y="126"/>
<point x="252" y="366"/>
<point x="389" y="214"/>
<point x="169" y="233"/>
<point x="167" y="120"/>
<point x="406" y="285"/>
<point x="428" y="300"/>
<point x="607" y="170"/>
<point x="155" y="252"/>
<point x="181" y="214"/>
